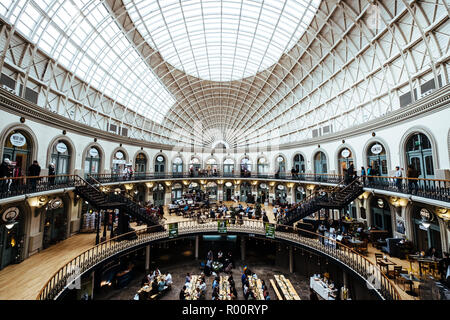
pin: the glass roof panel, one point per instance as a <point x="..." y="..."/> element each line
<point x="84" y="37"/>
<point x="183" y="31"/>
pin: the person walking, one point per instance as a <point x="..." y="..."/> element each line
<point x="51" y="173"/>
<point x="34" y="171"/>
<point x="363" y="175"/>
<point x="398" y="174"/>
<point x="5" y="172"/>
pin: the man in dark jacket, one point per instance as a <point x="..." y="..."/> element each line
<point x="34" y="171"/>
<point x="51" y="173"/>
<point x="5" y="172"/>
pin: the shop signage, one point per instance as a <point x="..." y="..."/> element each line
<point x="173" y="230"/>
<point x="425" y="214"/>
<point x="93" y="152"/>
<point x="10" y="214"/>
<point x="117" y="161"/>
<point x="280" y="187"/>
<point x="222" y="226"/>
<point x="263" y="186"/>
<point x="270" y="230"/>
<point x="55" y="203"/>
<point x="119" y="155"/>
<point x="61" y="147"/>
<point x="18" y="140"/>
<point x="380" y="203"/>
<point x="262" y="160"/>
<point x="376" y="148"/>
<point x="160" y="158"/>
<point x="280" y="159"/>
<point x="194" y="185"/>
<point x="228" y="184"/>
<point x="345" y="153"/>
<point x="300" y="189"/>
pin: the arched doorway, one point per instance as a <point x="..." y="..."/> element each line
<point x="381" y="215"/>
<point x="246" y="191"/>
<point x="55" y="223"/>
<point x="140" y="165"/>
<point x="160" y="165"/>
<point x="419" y="154"/>
<point x="118" y="163"/>
<point x="11" y="235"/>
<point x="211" y="190"/>
<point x="263" y="167"/>
<point x="228" y="167"/>
<point x="427" y="233"/>
<point x="177" y="167"/>
<point x="139" y="193"/>
<point x="211" y="166"/>
<point x="60" y="157"/>
<point x="299" y="163"/>
<point x="195" y="165"/>
<point x="228" y="191"/>
<point x="194" y="186"/>
<point x="281" y="194"/>
<point x="345" y="159"/>
<point x="263" y="193"/>
<point x="177" y="191"/>
<point x="92" y="162"/>
<point x="320" y="163"/>
<point x="280" y="167"/>
<point x="376" y="157"/>
<point x="18" y="148"/>
<point x="158" y="194"/>
<point x="246" y="167"/>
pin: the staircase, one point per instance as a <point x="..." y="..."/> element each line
<point x="339" y="197"/>
<point x="101" y="200"/>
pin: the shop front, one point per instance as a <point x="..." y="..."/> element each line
<point x="381" y="215"/>
<point x="427" y="233"/>
<point x="263" y="193"/>
<point x="92" y="162"/>
<point x="18" y="148"/>
<point x="246" y="191"/>
<point x="345" y="160"/>
<point x="177" y="191"/>
<point x="11" y="236"/>
<point x="228" y="191"/>
<point x="281" y="194"/>
<point x="60" y="157"/>
<point x="55" y="223"/>
<point x="211" y="190"/>
<point x="158" y="194"/>
<point x="376" y="158"/>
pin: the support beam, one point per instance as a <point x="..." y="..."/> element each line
<point x="197" y="240"/>
<point x="147" y="258"/>
<point x="291" y="259"/>
<point x="243" y="248"/>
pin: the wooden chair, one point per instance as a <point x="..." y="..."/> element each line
<point x="378" y="256"/>
<point x="395" y="273"/>
<point x="363" y="248"/>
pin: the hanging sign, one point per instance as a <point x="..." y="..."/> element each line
<point x="345" y="153"/>
<point x="173" y="230"/>
<point x="228" y="184"/>
<point x="160" y="158"/>
<point x="280" y="159"/>
<point x="18" y="140"/>
<point x="380" y="203"/>
<point x="222" y="226"/>
<point x="263" y="186"/>
<point x="55" y="203"/>
<point x="119" y="155"/>
<point x="280" y="187"/>
<point x="10" y="214"/>
<point x="93" y="152"/>
<point x="61" y="147"/>
<point x="270" y="230"/>
<point x="425" y="214"/>
<point x="376" y="148"/>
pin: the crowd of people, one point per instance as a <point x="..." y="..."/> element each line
<point x="246" y="290"/>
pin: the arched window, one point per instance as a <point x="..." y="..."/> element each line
<point x="228" y="191"/>
<point x="211" y="190"/>
<point x="228" y="167"/>
<point x="195" y="163"/>
<point x="280" y="166"/>
<point x="427" y="233"/>
<point x="158" y="194"/>
<point x="376" y="158"/>
<point x="280" y="194"/>
<point x="320" y="163"/>
<point x="118" y="163"/>
<point x="246" y="167"/>
<point x="60" y="157"/>
<point x="140" y="167"/>
<point x="263" y="193"/>
<point x="211" y="165"/>
<point x="246" y="191"/>
<point x="92" y="162"/>
<point x="18" y="148"/>
<point x="177" y="166"/>
<point x="263" y="166"/>
<point x="419" y="154"/>
<point x="160" y="165"/>
<point x="381" y="215"/>
<point x="299" y="163"/>
<point x="345" y="159"/>
<point x="177" y="191"/>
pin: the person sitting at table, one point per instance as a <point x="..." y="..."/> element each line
<point x="182" y="293"/>
<point x="188" y="278"/>
<point x="169" y="279"/>
<point x="154" y="287"/>
<point x="431" y="252"/>
<point x="202" y="287"/>
<point x="161" y="285"/>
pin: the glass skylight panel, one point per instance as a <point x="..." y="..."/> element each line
<point x="83" y="37"/>
<point x="228" y="28"/>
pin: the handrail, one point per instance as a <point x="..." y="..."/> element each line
<point x="74" y="268"/>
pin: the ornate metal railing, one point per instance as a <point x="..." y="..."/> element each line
<point x="63" y="279"/>
<point x="437" y="189"/>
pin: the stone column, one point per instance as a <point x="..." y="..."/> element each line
<point x="242" y="248"/>
<point x="197" y="240"/>
<point x="168" y="195"/>
<point x="147" y="258"/>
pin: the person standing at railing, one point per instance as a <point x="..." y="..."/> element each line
<point x="369" y="174"/>
<point x="363" y="175"/>
<point x="398" y="174"/>
<point x="5" y="172"/>
<point x="412" y="173"/>
<point x="51" y="173"/>
<point x="34" y="171"/>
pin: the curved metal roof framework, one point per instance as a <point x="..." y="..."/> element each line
<point x="249" y="73"/>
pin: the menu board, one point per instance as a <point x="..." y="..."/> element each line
<point x="222" y="226"/>
<point x="173" y="230"/>
<point x="270" y="230"/>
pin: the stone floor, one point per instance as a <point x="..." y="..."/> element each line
<point x="265" y="272"/>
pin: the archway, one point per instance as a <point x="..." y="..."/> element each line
<point x="377" y="159"/>
<point x="18" y="147"/>
<point x="419" y="154"/>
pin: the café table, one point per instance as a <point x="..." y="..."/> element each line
<point x="423" y="260"/>
<point x="410" y="279"/>
<point x="386" y="263"/>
